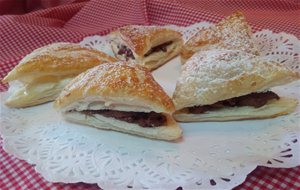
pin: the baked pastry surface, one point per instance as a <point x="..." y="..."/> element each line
<point x="233" y="33"/>
<point x="150" y="46"/>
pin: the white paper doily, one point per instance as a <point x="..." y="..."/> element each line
<point x="211" y="155"/>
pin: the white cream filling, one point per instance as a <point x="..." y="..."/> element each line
<point x="97" y="104"/>
<point x="22" y="94"/>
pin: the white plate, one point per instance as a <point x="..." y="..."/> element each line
<point x="211" y="155"/>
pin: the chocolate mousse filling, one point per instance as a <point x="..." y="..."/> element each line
<point x="124" y="50"/>
<point x="143" y="119"/>
<point x="256" y="100"/>
<point x="161" y="47"/>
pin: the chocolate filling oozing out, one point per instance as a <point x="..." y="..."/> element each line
<point x="161" y="47"/>
<point x="124" y="50"/>
<point x="254" y="100"/>
<point x="151" y="119"/>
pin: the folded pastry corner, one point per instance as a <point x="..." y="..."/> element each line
<point x="122" y="97"/>
<point x="150" y="46"/>
<point x="221" y="85"/>
<point x="41" y="75"/>
<point x="233" y="33"/>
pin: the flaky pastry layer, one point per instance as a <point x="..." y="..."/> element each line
<point x="274" y="108"/>
<point x="233" y="32"/>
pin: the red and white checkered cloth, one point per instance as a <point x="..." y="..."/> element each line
<point x="76" y="19"/>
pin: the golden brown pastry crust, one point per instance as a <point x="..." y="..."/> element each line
<point x="140" y="39"/>
<point x="232" y="32"/>
<point x="215" y="75"/>
<point x="121" y="83"/>
<point x="58" y="59"/>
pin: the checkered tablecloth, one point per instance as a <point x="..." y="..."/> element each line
<point x="72" y="20"/>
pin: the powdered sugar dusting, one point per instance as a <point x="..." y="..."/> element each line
<point x="135" y="31"/>
<point x="139" y="38"/>
<point x="215" y="67"/>
<point x="231" y="33"/>
<point x="59" y="57"/>
<point x="122" y="80"/>
<point x="137" y="34"/>
<point x="56" y="49"/>
<point x="214" y="75"/>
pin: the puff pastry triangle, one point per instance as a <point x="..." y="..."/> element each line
<point x="122" y="97"/>
<point x="218" y="85"/>
<point x="41" y="75"/>
<point x="233" y="32"/>
<point x="150" y="46"/>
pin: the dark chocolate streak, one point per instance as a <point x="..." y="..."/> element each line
<point x="161" y="47"/>
<point x="124" y="50"/>
<point x="254" y="100"/>
<point x="151" y="119"/>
